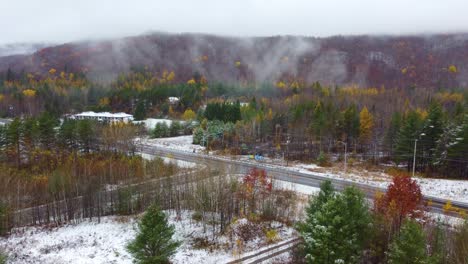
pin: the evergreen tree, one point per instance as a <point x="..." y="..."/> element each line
<point x="318" y="121"/>
<point x="67" y="134"/>
<point x="85" y="135"/>
<point x="451" y="150"/>
<point x="349" y="124"/>
<point x="335" y="227"/>
<point x="153" y="243"/>
<point x="409" y="246"/>
<point x="160" y="130"/>
<point x="13" y="136"/>
<point x="432" y="129"/>
<point x="198" y="135"/>
<point x="409" y="132"/>
<point x="175" y="128"/>
<point x="46" y="128"/>
<point x="140" y="111"/>
<point x="392" y="132"/>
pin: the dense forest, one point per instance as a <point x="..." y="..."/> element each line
<point x="411" y="95"/>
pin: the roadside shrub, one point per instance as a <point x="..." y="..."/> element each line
<point x="245" y="230"/>
<point x="271" y="236"/>
<point x="4" y="223"/>
<point x="160" y="130"/>
<point x="460" y="244"/>
<point x="197" y="216"/>
<point x="323" y="160"/>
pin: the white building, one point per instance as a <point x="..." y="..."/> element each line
<point x="173" y="100"/>
<point x="104" y="116"/>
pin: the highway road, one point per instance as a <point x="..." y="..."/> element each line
<point x="435" y="204"/>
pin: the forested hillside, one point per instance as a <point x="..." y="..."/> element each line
<point x="294" y="97"/>
<point x="414" y="61"/>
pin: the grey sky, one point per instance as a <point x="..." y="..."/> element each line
<point x="66" y="20"/>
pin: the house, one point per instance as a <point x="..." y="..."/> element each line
<point x="104" y="117"/>
<point x="173" y="100"/>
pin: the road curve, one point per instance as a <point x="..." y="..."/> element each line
<point x="434" y="204"/>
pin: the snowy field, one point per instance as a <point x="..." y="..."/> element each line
<point x="167" y="160"/>
<point x="182" y="143"/>
<point x="455" y="190"/>
<point x="150" y="123"/>
<point x="92" y="242"/>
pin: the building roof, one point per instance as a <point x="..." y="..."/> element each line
<point x="104" y="114"/>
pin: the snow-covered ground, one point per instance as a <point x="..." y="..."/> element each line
<point x="178" y="163"/>
<point x="182" y="143"/>
<point x="455" y="190"/>
<point x="92" y="242"/>
<point x="299" y="188"/>
<point x="150" y="123"/>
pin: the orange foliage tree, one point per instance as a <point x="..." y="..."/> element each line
<point x="256" y="185"/>
<point x="403" y="199"/>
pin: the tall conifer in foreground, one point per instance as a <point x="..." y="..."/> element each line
<point x="153" y="243"/>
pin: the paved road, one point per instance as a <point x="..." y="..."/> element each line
<point x="281" y="173"/>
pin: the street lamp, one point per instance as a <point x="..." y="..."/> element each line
<point x="345" y="150"/>
<point x="414" y="154"/>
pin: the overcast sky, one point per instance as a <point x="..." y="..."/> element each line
<point x="67" y="20"/>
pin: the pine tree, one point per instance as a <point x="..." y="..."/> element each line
<point x="409" y="246"/>
<point x="46" y="128"/>
<point x="350" y="124"/>
<point x="408" y="133"/>
<point x="153" y="243"/>
<point x="160" y="130"/>
<point x="335" y="227"/>
<point x="392" y="132"/>
<point x="432" y="129"/>
<point x="13" y="136"/>
<point x="140" y="111"/>
<point x="85" y="135"/>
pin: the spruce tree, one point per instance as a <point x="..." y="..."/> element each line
<point x="409" y="246"/>
<point x="160" y="130"/>
<point x="140" y="111"/>
<point x="408" y="133"/>
<point x="432" y="129"/>
<point x="392" y="132"/>
<point x="335" y="227"/>
<point x="153" y="243"/>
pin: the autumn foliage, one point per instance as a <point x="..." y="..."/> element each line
<point x="403" y="199"/>
<point x="256" y="185"/>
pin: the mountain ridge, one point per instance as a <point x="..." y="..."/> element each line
<point x="431" y="61"/>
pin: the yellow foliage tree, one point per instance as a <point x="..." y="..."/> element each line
<point x="189" y="114"/>
<point x="52" y="71"/>
<point x="170" y="76"/>
<point x="191" y="81"/>
<point x="280" y="84"/>
<point x="2" y="97"/>
<point x="238" y="63"/>
<point x="104" y="101"/>
<point x="29" y="93"/>
<point x="452" y="69"/>
<point x="366" y="124"/>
